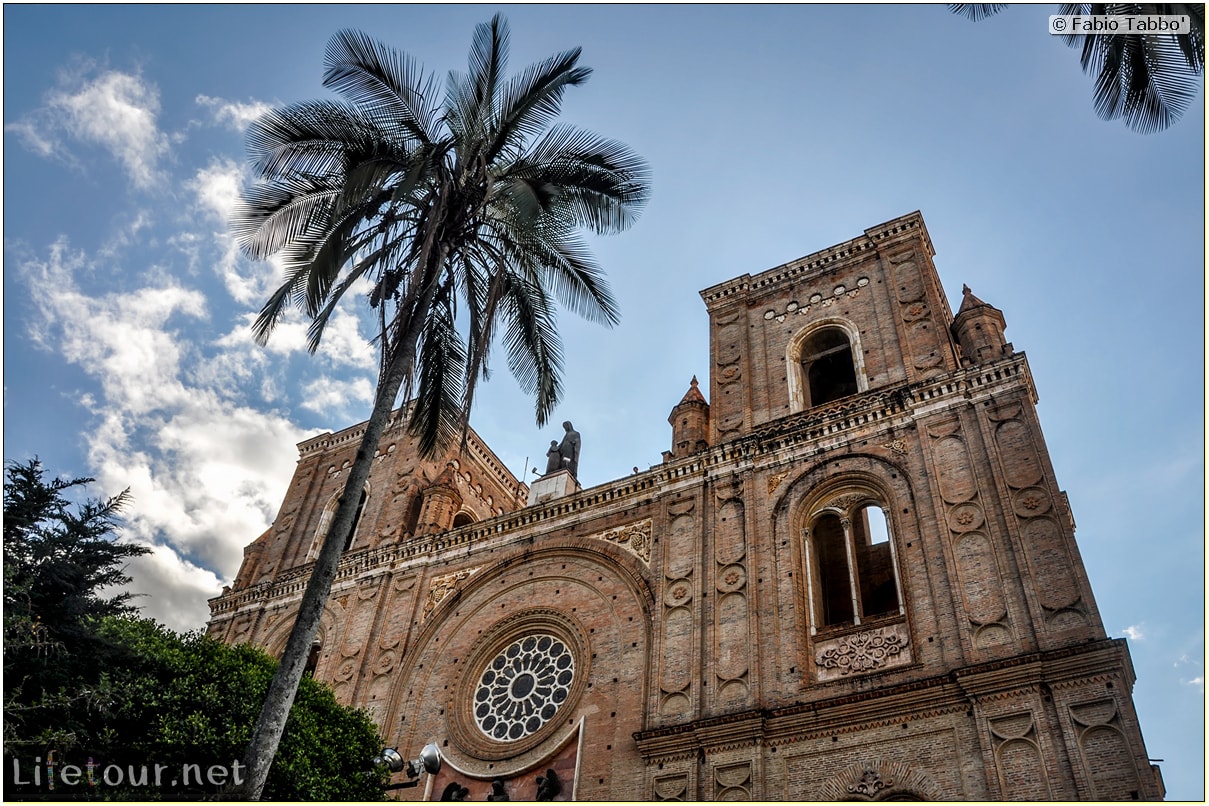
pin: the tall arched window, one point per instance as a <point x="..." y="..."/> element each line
<point x="824" y="363"/>
<point x="851" y="574"/>
<point x="312" y="660"/>
<point x="325" y="523"/>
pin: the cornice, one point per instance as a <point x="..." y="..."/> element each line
<point x="841" y="255"/>
<point x="881" y="409"/>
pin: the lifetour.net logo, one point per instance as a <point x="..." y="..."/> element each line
<point x="53" y="774"/>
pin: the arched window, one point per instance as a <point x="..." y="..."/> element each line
<point x="352" y="533"/>
<point x="827" y="366"/>
<point x="412" y="520"/>
<point x="824" y="363"/>
<point x="851" y="572"/>
<point x="325" y="523"/>
<point x="312" y="660"/>
<point x="462" y="518"/>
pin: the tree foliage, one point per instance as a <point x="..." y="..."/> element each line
<point x="59" y="561"/>
<point x="176" y="700"/>
<point x="85" y="679"/>
<point x="1147" y="81"/>
<point x="469" y="202"/>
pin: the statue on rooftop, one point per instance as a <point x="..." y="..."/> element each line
<point x="554" y="459"/>
<point x="569" y="449"/>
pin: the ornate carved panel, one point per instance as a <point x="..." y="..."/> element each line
<point x="442" y="586"/>
<point x="678" y="620"/>
<point x="863" y="652"/>
<point x="732" y="629"/>
<point x="633" y="537"/>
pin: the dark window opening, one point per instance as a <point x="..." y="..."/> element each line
<point x="836" y="589"/>
<point x="312" y="661"/>
<point x="412" y="520"/>
<point x="827" y="367"/>
<point x="875" y="565"/>
<point x="462" y="518"/>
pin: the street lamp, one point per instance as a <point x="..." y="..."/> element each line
<point x="428" y="761"/>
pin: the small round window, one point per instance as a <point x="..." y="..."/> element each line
<point x="523" y="686"/>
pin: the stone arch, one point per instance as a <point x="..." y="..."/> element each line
<point x="799" y="383"/>
<point x="587" y="591"/>
<point x="874" y="780"/>
<point x="847" y="528"/>
<point x="816" y="488"/>
<point x="325" y="522"/>
<point x="273" y="642"/>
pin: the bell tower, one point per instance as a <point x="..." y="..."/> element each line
<point x="886" y="530"/>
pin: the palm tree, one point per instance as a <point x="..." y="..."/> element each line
<point x="472" y="200"/>
<point x="1147" y="80"/>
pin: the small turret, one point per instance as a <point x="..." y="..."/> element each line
<point x="690" y="424"/>
<point x="440" y="503"/>
<point x="978" y="328"/>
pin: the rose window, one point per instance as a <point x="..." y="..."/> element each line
<point x="523" y="686"/>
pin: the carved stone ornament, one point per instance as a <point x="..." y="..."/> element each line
<point x="870" y="784"/>
<point x="864" y="651"/>
<point x="634" y="538"/>
<point x="846" y="501"/>
<point x="896" y="445"/>
<point x="441" y="587"/>
<point x="775" y="480"/>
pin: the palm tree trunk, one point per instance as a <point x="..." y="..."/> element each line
<point x="282" y="690"/>
<point x="280" y="698"/>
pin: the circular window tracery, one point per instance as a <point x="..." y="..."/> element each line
<point x="522" y="687"/>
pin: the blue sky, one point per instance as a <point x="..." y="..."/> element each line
<point x="772" y="132"/>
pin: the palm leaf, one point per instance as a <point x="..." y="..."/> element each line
<point x="976" y="11"/>
<point x="386" y="83"/>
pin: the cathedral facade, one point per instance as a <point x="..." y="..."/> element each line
<point x="853" y="576"/>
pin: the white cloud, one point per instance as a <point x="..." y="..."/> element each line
<point x="1196" y="682"/>
<point x="234" y="114"/>
<point x="206" y="472"/>
<point x="1134" y="632"/>
<point x="332" y="397"/>
<point x="114" y="110"/>
<point x="174" y="591"/>
<point x="216" y="190"/>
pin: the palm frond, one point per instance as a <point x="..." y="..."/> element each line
<point x="531" y="100"/>
<point x="976" y="12"/>
<point x="532" y="343"/>
<point x="473" y="211"/>
<point x="472" y="97"/>
<point x="387" y="84"/>
<point x="1146" y="80"/>
<point x="441" y="360"/>
<point x="604" y="183"/>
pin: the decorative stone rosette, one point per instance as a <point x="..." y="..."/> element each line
<point x="862" y="652"/>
